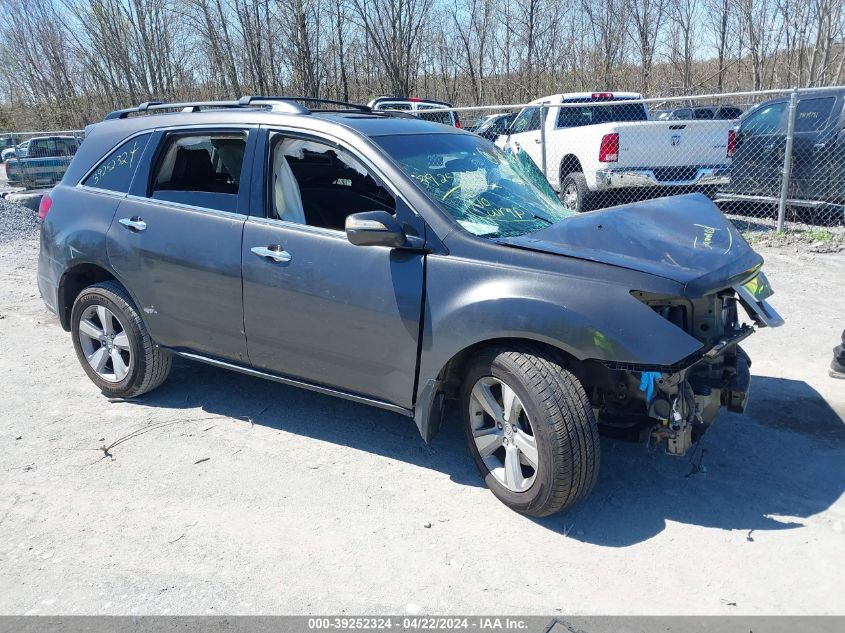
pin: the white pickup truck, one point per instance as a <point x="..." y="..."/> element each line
<point x="602" y="142"/>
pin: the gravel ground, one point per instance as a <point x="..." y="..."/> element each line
<point x="17" y="223"/>
<point x="222" y="493"/>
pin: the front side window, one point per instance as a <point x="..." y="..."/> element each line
<point x="769" y="119"/>
<point x="318" y="184"/>
<point x="116" y="171"/>
<point x="201" y="170"/>
<point x="489" y="193"/>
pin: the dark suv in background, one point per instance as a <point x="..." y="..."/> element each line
<point x="399" y="263"/>
<point x="817" y="176"/>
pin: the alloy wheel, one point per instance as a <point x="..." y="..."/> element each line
<point x="105" y="343"/>
<point x="570" y="197"/>
<point x="503" y="434"/>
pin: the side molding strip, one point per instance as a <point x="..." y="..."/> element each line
<point x="296" y="383"/>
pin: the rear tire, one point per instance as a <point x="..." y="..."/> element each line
<point x="574" y="193"/>
<point x="552" y="424"/>
<point x="113" y="344"/>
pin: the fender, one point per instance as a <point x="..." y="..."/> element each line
<point x="586" y="318"/>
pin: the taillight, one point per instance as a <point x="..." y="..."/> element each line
<point x="457" y="121"/>
<point x="731" y="143"/>
<point x="602" y="95"/>
<point x="44" y="206"/>
<point x="609" y="148"/>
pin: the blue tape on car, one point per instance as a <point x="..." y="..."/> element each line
<point x="647" y="383"/>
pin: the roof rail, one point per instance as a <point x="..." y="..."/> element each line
<point x="282" y="104"/>
<point x="346" y="104"/>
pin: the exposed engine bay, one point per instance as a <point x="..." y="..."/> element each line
<point x="673" y="406"/>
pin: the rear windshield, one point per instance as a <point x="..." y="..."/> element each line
<point x="488" y="193"/>
<point x="437" y="117"/>
<point x="616" y="110"/>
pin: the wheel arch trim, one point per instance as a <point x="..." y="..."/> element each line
<point x="64" y="307"/>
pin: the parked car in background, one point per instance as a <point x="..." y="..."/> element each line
<point x="817" y="176"/>
<point x="419" y="108"/>
<point x="492" y="126"/>
<point x="399" y="263"/>
<point x="11" y="152"/>
<point x="721" y="112"/>
<point x="45" y="162"/>
<point x="603" y="143"/>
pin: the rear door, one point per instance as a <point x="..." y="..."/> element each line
<point x="814" y="148"/>
<point x="316" y="307"/>
<point x="176" y="239"/>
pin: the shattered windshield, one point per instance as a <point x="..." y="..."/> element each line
<point x="490" y="193"/>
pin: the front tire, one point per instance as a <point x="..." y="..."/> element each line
<point x="530" y="430"/>
<point x="113" y="344"/>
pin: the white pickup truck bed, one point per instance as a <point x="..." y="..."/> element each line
<point x="621" y="154"/>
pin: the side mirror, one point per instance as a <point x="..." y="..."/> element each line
<point x="374" y="228"/>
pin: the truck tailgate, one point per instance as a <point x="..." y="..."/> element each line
<point x="673" y="143"/>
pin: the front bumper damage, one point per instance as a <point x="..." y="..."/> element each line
<point x="682" y="400"/>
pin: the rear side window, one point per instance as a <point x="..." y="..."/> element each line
<point x="202" y="170"/>
<point x="116" y="171"/>
<point x="812" y="114"/>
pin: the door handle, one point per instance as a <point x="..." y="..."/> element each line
<point x="538" y="141"/>
<point x="134" y="224"/>
<point x="274" y="252"/>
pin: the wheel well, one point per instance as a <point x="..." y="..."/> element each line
<point x="75" y="281"/>
<point x="452" y="373"/>
<point x="568" y="165"/>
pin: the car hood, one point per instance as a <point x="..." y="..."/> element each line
<point x="682" y="238"/>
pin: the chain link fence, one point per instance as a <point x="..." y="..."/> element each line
<point x="773" y="161"/>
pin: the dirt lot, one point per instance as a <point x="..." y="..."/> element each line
<point x="227" y="494"/>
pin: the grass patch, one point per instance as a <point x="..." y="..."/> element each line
<point x="818" y="235"/>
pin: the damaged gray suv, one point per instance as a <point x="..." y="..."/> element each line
<point x="402" y="264"/>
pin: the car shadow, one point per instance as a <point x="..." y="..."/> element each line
<point x="769" y="469"/>
<point x="766" y="470"/>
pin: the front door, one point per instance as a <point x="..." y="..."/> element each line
<point x="757" y="164"/>
<point x="525" y="134"/>
<point x="176" y="242"/>
<point x="316" y="307"/>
